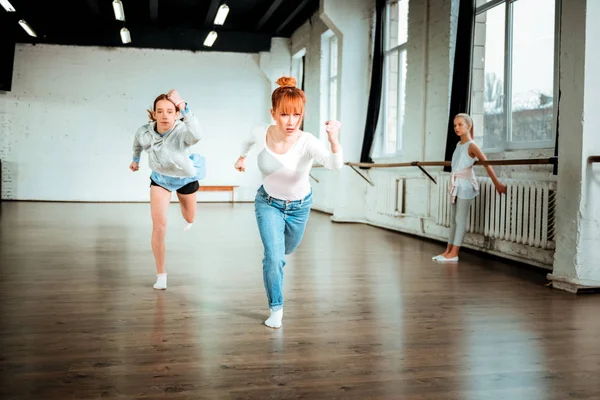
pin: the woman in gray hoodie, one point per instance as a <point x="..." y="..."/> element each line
<point x="167" y="140"/>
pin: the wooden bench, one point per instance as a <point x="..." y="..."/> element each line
<point x="222" y="188"/>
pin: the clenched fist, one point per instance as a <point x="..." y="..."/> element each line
<point x="240" y="164"/>
<point x="332" y="128"/>
<point x="176" y="99"/>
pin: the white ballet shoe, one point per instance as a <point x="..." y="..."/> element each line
<point x="444" y="259"/>
<point x="187" y="226"/>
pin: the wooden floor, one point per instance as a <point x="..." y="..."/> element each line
<point x="368" y="315"/>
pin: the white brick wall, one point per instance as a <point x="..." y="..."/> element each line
<point x="66" y="128"/>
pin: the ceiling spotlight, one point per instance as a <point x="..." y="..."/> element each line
<point x="210" y="38"/>
<point x="118" y="9"/>
<point x="7" y="6"/>
<point x="27" y="28"/>
<point x="221" y="14"/>
<point x="125" y="35"/>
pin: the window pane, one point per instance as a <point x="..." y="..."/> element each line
<point x="487" y="87"/>
<point x="401" y="99"/>
<point x="398" y="13"/>
<point x="333" y="99"/>
<point x="391" y="102"/>
<point x="333" y="52"/>
<point x="532" y="70"/>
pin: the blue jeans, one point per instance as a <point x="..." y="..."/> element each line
<point x="281" y="225"/>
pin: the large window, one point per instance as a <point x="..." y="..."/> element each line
<point x="391" y="119"/>
<point x="298" y="61"/>
<point x="333" y="76"/>
<point x="513" y="86"/>
<point x="329" y="79"/>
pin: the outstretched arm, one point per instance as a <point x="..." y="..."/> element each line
<point x="475" y="151"/>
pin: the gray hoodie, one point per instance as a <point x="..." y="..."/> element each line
<point x="168" y="154"/>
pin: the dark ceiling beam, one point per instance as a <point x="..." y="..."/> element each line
<point x="268" y="14"/>
<point x="212" y="12"/>
<point x="153" y="10"/>
<point x="291" y="16"/>
<point x="152" y="37"/>
<point x="94" y="6"/>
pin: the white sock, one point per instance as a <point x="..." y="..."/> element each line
<point x="161" y="281"/>
<point x="187" y="226"/>
<point x="274" y="321"/>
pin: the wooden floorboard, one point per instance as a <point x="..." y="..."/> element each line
<point x="368" y="315"/>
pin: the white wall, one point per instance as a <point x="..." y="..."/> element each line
<point x="67" y="125"/>
<point x="577" y="250"/>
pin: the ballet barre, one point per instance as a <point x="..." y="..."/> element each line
<point x="421" y="164"/>
<point x="594" y="159"/>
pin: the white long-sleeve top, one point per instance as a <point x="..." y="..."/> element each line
<point x="285" y="176"/>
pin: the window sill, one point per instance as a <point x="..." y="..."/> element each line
<point x="391" y="158"/>
<point x="518" y="153"/>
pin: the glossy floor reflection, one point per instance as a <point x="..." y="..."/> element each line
<point x="368" y="315"/>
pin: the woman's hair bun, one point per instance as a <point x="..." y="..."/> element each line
<point x="286" y="81"/>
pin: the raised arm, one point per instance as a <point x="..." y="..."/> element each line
<point x="193" y="133"/>
<point x="333" y="159"/>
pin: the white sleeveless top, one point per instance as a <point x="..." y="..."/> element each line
<point x="462" y="160"/>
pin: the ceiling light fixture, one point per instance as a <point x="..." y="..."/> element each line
<point x="27" y="28"/>
<point x="210" y="38"/>
<point x="7" y="6"/>
<point x="118" y="9"/>
<point x="221" y="14"/>
<point x="125" y="35"/>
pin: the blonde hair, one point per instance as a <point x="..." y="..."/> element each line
<point x="467" y="118"/>
<point x="288" y="98"/>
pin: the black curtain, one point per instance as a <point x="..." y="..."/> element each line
<point x="461" y="77"/>
<point x="8" y="29"/>
<point x="376" y="85"/>
<point x="555" y="167"/>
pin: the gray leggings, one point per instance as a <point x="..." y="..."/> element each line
<point x="458" y="220"/>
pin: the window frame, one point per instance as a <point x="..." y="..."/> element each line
<point x="298" y="67"/>
<point x="325" y="80"/>
<point x="510" y="144"/>
<point x="401" y="49"/>
<point x="332" y="76"/>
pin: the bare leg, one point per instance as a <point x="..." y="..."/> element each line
<point x="159" y="204"/>
<point x="453" y="252"/>
<point x="188" y="206"/>
<point x="448" y="249"/>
